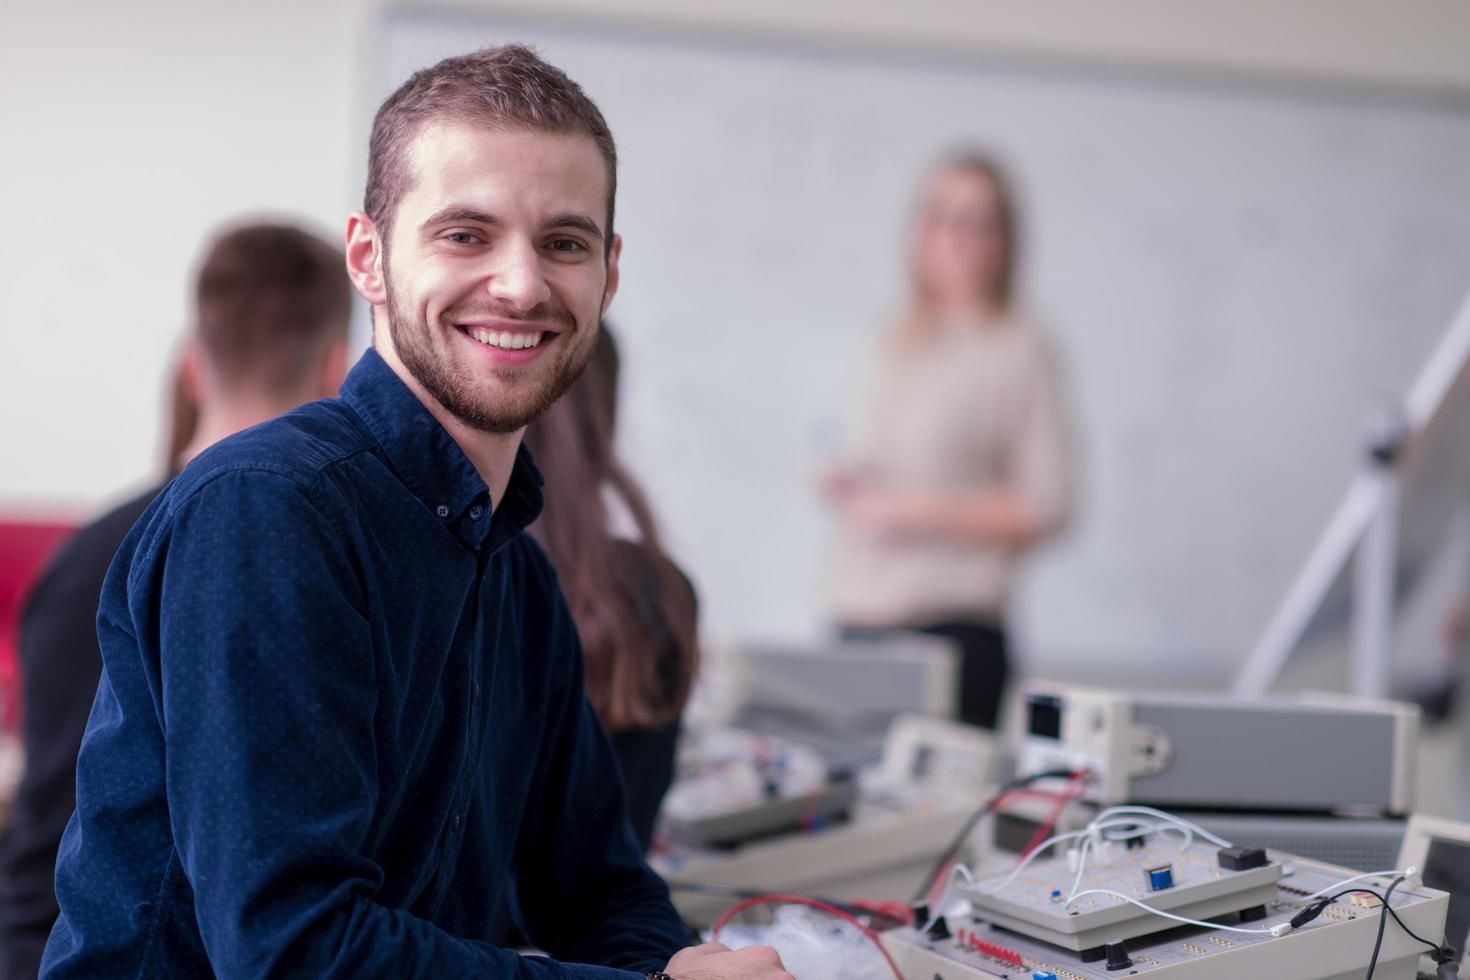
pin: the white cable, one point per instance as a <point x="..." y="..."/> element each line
<point x="1180" y="821"/>
<point x="1081" y="868"/>
<point x="1184" y="827"/>
<point x="1035" y="853"/>
<point x="1186" y="836"/>
<point x="1407" y="873"/>
<point x="1057" y="839"/>
<point x="1188" y="825"/>
<point x="1273" y="930"/>
<point x="937" y="909"/>
<point x="1101" y="822"/>
<point x="1187" y="839"/>
<point x="1054" y="840"/>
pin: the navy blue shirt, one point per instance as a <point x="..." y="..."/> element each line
<point x="341" y="707"/>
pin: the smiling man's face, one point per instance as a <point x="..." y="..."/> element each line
<point x="497" y="268"/>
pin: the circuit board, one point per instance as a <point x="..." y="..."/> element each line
<point x="1336" y="946"/>
<point x="1185" y="880"/>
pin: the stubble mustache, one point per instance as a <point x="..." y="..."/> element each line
<point x="556" y="316"/>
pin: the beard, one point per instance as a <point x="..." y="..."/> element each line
<point x="491" y="399"/>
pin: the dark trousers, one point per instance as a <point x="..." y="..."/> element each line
<point x="984" y="663"/>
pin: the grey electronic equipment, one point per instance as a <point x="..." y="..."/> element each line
<point x="932" y="772"/>
<point x="881" y="850"/>
<point x="1336" y="946"/>
<point x="841" y="697"/>
<point x="1440" y="848"/>
<point x="921" y="753"/>
<point x="1311" y="753"/>
<point x="777" y="815"/>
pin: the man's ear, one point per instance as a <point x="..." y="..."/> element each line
<point x="364" y="250"/>
<point x="614" y="252"/>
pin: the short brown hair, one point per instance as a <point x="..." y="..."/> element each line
<point x="509" y="86"/>
<point x="270" y="299"/>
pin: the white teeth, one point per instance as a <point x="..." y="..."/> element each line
<point x="504" y="339"/>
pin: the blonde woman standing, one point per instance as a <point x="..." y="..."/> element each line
<point x="964" y="463"/>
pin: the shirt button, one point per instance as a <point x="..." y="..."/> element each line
<point x="442" y="511"/>
<point x="476" y="511"/>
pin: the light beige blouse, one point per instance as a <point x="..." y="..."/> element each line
<point x="968" y="407"/>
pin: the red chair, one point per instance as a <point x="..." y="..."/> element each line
<point x="25" y="547"/>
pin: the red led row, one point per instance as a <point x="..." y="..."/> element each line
<point x="1007" y="956"/>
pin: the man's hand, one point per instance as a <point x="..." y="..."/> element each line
<point x="716" y="961"/>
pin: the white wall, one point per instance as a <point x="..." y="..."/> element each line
<point x="1414" y="43"/>
<point x="1230" y="271"/>
<point x="132" y="129"/>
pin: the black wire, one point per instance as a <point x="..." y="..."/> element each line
<point x="1382" y="925"/>
<point x="949" y="852"/>
<point x="1434" y="947"/>
<point x="1324" y="902"/>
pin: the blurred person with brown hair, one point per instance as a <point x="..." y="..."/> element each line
<point x="271" y="308"/>
<point x="635" y="610"/>
<point x="964" y="462"/>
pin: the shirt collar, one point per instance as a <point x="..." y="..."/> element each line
<point x="431" y="464"/>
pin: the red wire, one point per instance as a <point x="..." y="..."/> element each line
<point x="1070" y="792"/>
<point x="746" y="903"/>
<point x="1059" y="795"/>
<point x="897" y="911"/>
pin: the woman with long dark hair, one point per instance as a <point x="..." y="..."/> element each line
<point x="964" y="463"/>
<point x="635" y="611"/>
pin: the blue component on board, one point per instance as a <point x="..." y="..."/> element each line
<point x="1160" y="878"/>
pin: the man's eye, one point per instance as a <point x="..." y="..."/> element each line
<point x="566" y="245"/>
<point x="463" y="237"/>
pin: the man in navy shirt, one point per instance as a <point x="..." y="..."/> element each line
<point x="341" y="704"/>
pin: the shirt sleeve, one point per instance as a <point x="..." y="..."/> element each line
<point x="268" y="700"/>
<point x="1041" y="462"/>
<point x="576" y="840"/>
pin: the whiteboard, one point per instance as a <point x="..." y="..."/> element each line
<point x="1231" y="272"/>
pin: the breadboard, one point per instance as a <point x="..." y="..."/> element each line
<point x="1337" y="946"/>
<point x="1034" y="903"/>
